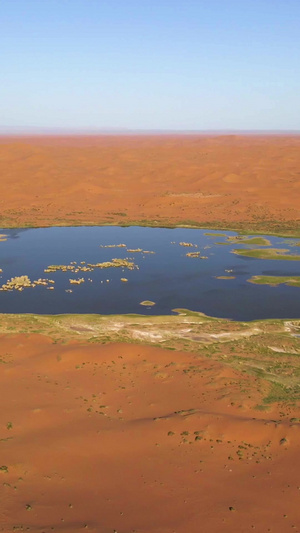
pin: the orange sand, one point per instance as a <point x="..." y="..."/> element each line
<point x="170" y="179"/>
<point x="89" y="447"/>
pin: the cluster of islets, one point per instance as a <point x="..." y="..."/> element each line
<point x="136" y="250"/>
<point x="19" y="283"/>
<point x="191" y="254"/>
<point x="83" y="267"/>
<point x="129" y="250"/>
<point x="112" y="245"/>
<point x="196" y="254"/>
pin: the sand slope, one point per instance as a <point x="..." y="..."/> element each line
<point x="168" y="179"/>
<point x="128" y="438"/>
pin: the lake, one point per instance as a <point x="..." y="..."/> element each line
<point x="160" y="271"/>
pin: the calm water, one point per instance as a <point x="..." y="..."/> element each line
<point x="168" y="277"/>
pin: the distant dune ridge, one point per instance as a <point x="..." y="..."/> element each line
<point x="229" y="179"/>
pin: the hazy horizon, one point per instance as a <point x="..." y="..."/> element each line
<point x="20" y="132"/>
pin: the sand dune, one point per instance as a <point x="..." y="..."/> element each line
<point x="168" y="179"/>
<point x="124" y="438"/>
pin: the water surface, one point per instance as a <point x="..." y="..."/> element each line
<point x="168" y="277"/>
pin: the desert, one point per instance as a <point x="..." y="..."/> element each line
<point x="143" y="421"/>
<point x="227" y="181"/>
<point x="105" y="436"/>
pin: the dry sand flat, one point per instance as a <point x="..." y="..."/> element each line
<point x="248" y="180"/>
<point x="124" y="438"/>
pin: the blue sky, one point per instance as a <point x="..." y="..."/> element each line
<point x="150" y="64"/>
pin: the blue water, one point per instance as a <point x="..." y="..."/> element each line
<point x="168" y="277"/>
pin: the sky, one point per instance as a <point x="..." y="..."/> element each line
<point x="177" y="65"/>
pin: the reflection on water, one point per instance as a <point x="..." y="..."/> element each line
<point x="14" y="233"/>
<point x="72" y="270"/>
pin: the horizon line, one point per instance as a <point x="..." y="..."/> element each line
<point x="36" y="131"/>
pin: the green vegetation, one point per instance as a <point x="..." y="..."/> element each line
<point x="257" y="226"/>
<point x="259" y="241"/>
<point x="274" y="281"/>
<point x="225" y="277"/>
<point x="269" y="253"/>
<point x="216" y="234"/>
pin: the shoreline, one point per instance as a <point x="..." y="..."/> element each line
<point x="178" y="313"/>
<point x="240" y="229"/>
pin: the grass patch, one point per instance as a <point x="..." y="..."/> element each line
<point x="216" y="234"/>
<point x="259" y="241"/>
<point x="281" y="393"/>
<point x="260" y="407"/>
<point x="274" y="281"/>
<point x="280" y="254"/>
